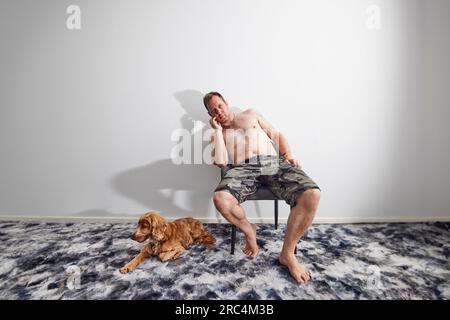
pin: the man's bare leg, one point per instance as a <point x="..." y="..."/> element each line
<point x="229" y="207"/>
<point x="300" y="218"/>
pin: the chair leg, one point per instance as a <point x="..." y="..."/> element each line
<point x="233" y="237"/>
<point x="276" y="213"/>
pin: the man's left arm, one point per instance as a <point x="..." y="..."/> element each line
<point x="279" y="139"/>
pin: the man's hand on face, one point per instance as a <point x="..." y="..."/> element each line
<point x="213" y="122"/>
<point x="294" y="162"/>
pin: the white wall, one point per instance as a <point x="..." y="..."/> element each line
<point x="87" y="115"/>
<point x="436" y="108"/>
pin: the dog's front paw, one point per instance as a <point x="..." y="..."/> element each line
<point x="125" y="269"/>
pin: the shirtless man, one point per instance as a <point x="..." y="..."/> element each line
<point x="245" y="141"/>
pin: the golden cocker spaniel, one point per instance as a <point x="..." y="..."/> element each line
<point x="168" y="240"/>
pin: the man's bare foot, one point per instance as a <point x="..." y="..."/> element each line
<point x="297" y="271"/>
<point x="251" y="248"/>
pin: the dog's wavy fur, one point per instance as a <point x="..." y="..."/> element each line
<point x="168" y="240"/>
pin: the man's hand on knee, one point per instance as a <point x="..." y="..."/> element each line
<point x="294" y="162"/>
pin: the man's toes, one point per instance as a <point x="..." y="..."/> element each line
<point x="300" y="280"/>
<point x="306" y="276"/>
<point x="250" y="253"/>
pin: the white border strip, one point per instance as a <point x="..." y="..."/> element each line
<point x="133" y="219"/>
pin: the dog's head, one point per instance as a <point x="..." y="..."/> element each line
<point x="150" y="226"/>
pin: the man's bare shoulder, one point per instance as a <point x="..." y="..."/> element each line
<point x="250" y="112"/>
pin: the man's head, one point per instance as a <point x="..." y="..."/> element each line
<point x="218" y="107"/>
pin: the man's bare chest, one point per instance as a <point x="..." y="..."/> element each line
<point x="242" y="127"/>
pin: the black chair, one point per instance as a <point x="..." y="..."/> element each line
<point x="263" y="193"/>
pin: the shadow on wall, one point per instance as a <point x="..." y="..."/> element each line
<point x="175" y="190"/>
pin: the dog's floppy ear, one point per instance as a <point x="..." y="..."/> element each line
<point x="159" y="226"/>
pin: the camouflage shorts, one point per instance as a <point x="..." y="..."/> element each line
<point x="285" y="180"/>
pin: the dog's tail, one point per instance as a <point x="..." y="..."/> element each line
<point x="206" y="239"/>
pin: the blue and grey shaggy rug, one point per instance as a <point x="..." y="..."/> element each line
<point x="360" y="261"/>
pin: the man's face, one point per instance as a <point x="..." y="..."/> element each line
<point x="219" y="109"/>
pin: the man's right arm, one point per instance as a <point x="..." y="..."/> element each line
<point x="220" y="150"/>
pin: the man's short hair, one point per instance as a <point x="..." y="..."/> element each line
<point x="209" y="96"/>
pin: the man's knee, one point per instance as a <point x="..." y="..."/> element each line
<point x="313" y="195"/>
<point x="222" y="198"/>
<point x="309" y="199"/>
